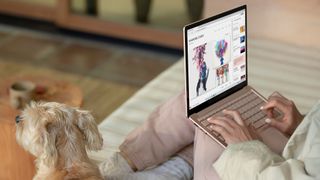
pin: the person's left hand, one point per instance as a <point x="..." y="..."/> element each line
<point x="232" y="128"/>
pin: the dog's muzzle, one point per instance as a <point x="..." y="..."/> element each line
<point x="18" y="119"/>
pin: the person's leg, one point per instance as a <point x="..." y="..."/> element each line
<point x="166" y="132"/>
<point x="117" y="168"/>
<point x="198" y="86"/>
<point x="187" y="154"/>
<point x="204" y="82"/>
<point x="174" y="169"/>
<point x="206" y="152"/>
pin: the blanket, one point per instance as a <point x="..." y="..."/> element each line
<point x="300" y="159"/>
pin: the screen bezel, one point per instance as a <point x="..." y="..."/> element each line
<point x="230" y="91"/>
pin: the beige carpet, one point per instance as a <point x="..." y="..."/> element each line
<point x="99" y="96"/>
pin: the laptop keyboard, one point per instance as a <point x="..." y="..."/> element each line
<point x="248" y="105"/>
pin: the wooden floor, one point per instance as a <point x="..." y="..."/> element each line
<point x="108" y="74"/>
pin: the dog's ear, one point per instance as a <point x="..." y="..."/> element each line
<point x="89" y="128"/>
<point x="48" y="140"/>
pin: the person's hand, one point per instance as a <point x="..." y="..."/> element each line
<point x="232" y="128"/>
<point x="291" y="116"/>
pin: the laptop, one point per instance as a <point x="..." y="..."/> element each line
<point x="216" y="70"/>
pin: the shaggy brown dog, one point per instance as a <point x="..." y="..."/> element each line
<point x="58" y="136"/>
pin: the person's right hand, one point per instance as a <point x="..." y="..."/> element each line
<point x="291" y="116"/>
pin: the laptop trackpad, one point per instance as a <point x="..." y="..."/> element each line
<point x="274" y="139"/>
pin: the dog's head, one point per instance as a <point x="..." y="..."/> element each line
<point x="43" y="126"/>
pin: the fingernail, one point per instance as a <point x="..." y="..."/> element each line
<point x="261" y="108"/>
<point x="268" y="120"/>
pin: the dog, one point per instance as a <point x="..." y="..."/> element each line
<point x="58" y="136"/>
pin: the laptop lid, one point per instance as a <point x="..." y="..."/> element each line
<point x="215" y="51"/>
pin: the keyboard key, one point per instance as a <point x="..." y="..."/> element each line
<point x="215" y="133"/>
<point x="205" y="122"/>
<point x="210" y="127"/>
<point x="221" y="138"/>
<point x="258" y="124"/>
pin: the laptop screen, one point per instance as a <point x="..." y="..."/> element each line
<point x="216" y="56"/>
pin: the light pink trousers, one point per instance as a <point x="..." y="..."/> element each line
<point x="169" y="132"/>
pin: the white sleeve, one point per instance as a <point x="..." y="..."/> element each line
<point x="254" y="160"/>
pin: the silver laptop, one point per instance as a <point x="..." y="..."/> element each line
<point x="215" y="51"/>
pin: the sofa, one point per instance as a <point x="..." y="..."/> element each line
<point x="293" y="71"/>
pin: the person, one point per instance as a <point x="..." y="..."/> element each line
<point x="203" y="76"/>
<point x="146" y="152"/>
<point x="201" y="67"/>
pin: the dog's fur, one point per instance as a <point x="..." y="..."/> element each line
<point x="58" y="135"/>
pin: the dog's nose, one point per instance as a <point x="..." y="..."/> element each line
<point x="18" y="119"/>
